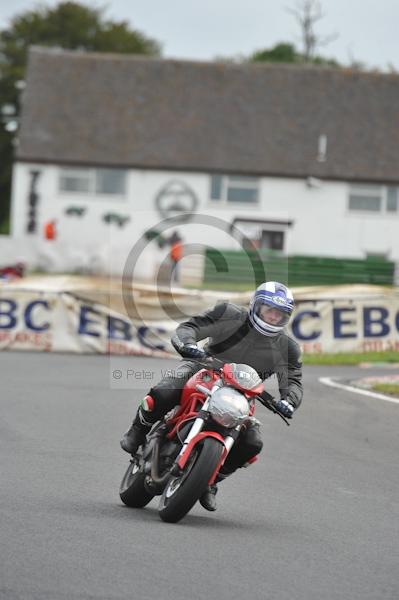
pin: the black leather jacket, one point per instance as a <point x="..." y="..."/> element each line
<point x="232" y="338"/>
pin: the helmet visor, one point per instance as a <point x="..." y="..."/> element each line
<point x="271" y="315"/>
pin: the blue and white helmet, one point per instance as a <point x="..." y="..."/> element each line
<point x="271" y="295"/>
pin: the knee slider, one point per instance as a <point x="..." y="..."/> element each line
<point x="250" y="461"/>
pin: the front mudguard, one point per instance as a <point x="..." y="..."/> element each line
<point x="183" y="458"/>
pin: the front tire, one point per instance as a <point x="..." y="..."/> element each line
<point x="182" y="492"/>
<point x="132" y="490"/>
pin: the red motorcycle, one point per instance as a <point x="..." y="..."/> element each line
<point x="184" y="452"/>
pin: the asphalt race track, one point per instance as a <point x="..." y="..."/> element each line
<point x="316" y="518"/>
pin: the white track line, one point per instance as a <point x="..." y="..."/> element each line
<point x="355" y="390"/>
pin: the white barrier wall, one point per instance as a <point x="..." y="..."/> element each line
<point x="59" y="322"/>
<point x="54" y="321"/>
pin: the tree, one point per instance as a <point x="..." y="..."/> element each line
<point x="69" y="25"/>
<point x="280" y="53"/>
<point x="307" y="13"/>
<point x="284" y="52"/>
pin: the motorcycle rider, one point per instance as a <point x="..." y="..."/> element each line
<point x="255" y="337"/>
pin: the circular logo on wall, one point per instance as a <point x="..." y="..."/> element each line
<point x="176" y="200"/>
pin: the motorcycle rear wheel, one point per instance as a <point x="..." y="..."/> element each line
<point x="182" y="492"/>
<point x="132" y="490"/>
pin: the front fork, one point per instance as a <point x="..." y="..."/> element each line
<point x="196" y="428"/>
<point x="195" y="435"/>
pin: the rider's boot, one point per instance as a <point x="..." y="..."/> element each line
<point x="208" y="498"/>
<point x="135" y="436"/>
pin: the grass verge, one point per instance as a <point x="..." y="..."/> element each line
<point x="351" y="359"/>
<point x="391" y="389"/>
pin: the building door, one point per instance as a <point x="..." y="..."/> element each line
<point x="272" y="240"/>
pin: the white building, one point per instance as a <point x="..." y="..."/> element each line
<point x="303" y="160"/>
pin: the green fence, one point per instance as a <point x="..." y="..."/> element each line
<point x="230" y="268"/>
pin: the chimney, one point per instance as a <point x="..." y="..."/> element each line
<point x="322" y="149"/>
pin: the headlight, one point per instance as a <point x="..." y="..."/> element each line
<point x="228" y="407"/>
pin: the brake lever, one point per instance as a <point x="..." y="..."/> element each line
<point x="210" y="364"/>
<point x="267" y="404"/>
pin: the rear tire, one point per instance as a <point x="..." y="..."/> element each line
<point x="132" y="490"/>
<point x="182" y="492"/>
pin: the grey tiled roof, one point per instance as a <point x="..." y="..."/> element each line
<point x="118" y="110"/>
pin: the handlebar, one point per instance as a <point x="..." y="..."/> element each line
<point x="268" y="403"/>
<point x="211" y="363"/>
<point x="266" y="399"/>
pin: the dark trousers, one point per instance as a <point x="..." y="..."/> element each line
<point x="166" y="395"/>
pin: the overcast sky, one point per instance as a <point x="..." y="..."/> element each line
<point x="367" y="29"/>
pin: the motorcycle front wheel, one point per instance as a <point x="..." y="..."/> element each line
<point x="132" y="490"/>
<point x="182" y="492"/>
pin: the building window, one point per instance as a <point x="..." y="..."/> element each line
<point x="97" y="182"/>
<point x="392" y="199"/>
<point x="373" y="199"/>
<point x="234" y="189"/>
<point x="75" y="180"/>
<point x="110" y="181"/>
<point x="366" y="198"/>
<point x="216" y="187"/>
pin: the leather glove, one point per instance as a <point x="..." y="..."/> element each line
<point x="193" y="351"/>
<point x="285" y="408"/>
<point x="188" y="350"/>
